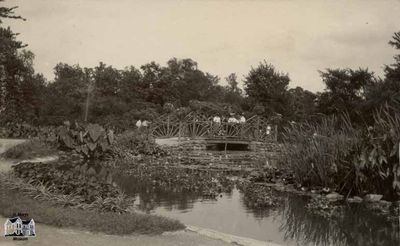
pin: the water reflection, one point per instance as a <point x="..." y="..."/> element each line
<point x="353" y="224"/>
<point x="289" y="224"/>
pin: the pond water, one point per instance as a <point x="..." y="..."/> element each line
<point x="290" y="223"/>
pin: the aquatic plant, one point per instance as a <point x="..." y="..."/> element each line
<point x="170" y="179"/>
<point x="334" y="154"/>
<point x="315" y="151"/>
<point x="324" y="207"/>
<point x="258" y="195"/>
<point x="92" y="140"/>
<point x="91" y="184"/>
<point x="378" y="162"/>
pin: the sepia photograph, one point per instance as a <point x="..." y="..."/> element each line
<point x="200" y="122"/>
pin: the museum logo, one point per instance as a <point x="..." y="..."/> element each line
<point x="19" y="229"/>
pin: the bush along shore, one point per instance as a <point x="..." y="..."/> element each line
<point x="77" y="184"/>
<point x="334" y="156"/>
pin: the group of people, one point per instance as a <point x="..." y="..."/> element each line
<point x="232" y="119"/>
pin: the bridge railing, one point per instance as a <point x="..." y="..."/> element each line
<point x="195" y="126"/>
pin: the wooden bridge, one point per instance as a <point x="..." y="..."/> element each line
<point x="196" y="126"/>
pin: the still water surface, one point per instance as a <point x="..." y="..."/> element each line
<point x="288" y="224"/>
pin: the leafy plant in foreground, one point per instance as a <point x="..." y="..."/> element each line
<point x="91" y="141"/>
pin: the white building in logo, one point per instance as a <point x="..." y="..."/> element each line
<point x="16" y="227"/>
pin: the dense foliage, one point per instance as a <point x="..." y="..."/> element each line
<point x="86" y="183"/>
<point x="92" y="140"/>
<point x="334" y="154"/>
<point x="137" y="143"/>
<point x="258" y="195"/>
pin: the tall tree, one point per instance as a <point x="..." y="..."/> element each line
<point x="303" y="104"/>
<point x="233" y="94"/>
<point x="20" y="87"/>
<point x="66" y="96"/>
<point x="387" y="91"/>
<point x="268" y="87"/>
<point x="345" y="91"/>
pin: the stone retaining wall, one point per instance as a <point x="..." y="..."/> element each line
<point x="196" y="150"/>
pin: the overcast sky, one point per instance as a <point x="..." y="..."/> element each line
<point x="297" y="37"/>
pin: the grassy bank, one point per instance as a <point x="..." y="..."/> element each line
<point x="13" y="201"/>
<point x="30" y="149"/>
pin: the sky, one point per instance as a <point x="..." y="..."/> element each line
<point x="223" y="36"/>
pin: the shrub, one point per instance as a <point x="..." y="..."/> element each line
<point x="138" y="143"/>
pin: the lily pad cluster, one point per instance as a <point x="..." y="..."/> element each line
<point x="272" y="175"/>
<point x="323" y="206"/>
<point x="91" y="183"/>
<point x="258" y="195"/>
<point x="178" y="180"/>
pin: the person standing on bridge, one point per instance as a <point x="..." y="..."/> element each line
<point x="145" y="123"/>
<point x="216" y="125"/>
<point x="138" y="124"/>
<point x="233" y="120"/>
<point x="242" y="120"/>
<point x="217" y="120"/>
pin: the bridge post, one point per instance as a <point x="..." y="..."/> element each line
<point x="276" y="133"/>
<point x="168" y="122"/>
<point x="257" y="135"/>
<point x="179" y="131"/>
<point x="242" y="130"/>
<point x="194" y="127"/>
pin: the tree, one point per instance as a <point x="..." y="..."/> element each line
<point x="268" y="87"/>
<point x="392" y="72"/>
<point x="66" y="96"/>
<point x="233" y="94"/>
<point x="345" y="91"/>
<point x="302" y="104"/>
<point x="387" y="92"/>
<point x="20" y="87"/>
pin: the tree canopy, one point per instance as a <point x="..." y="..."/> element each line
<point x="109" y="95"/>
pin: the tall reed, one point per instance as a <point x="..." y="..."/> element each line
<point x="314" y="151"/>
